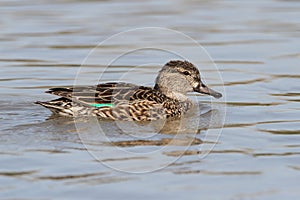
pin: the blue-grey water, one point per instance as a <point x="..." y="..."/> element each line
<point x="254" y="154"/>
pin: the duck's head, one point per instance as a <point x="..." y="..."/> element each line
<point x="177" y="78"/>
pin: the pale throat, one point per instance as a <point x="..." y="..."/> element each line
<point x="176" y="96"/>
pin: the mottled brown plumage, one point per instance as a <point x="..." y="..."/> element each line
<point x="124" y="101"/>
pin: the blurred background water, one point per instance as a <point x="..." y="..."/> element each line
<point x="256" y="47"/>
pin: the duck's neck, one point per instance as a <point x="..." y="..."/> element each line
<point x="171" y="94"/>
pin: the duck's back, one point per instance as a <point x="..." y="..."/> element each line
<point x="117" y="101"/>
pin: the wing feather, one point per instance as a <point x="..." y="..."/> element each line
<point x="115" y="93"/>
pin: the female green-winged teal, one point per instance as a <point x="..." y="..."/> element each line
<point x="124" y="101"/>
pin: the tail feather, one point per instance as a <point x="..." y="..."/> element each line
<point x="60" y="106"/>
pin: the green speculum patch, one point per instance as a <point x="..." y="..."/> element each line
<point x="100" y="105"/>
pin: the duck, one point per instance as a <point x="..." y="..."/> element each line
<point x="129" y="102"/>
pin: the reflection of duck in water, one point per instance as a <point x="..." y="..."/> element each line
<point x="200" y="117"/>
<point x="123" y="101"/>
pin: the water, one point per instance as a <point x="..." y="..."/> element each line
<point x="255" y="45"/>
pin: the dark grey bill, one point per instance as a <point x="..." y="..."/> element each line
<point x="203" y="89"/>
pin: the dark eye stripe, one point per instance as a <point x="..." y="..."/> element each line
<point x="187" y="73"/>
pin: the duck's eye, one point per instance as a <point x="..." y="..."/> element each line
<point x="187" y="73"/>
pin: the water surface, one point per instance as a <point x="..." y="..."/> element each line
<point x="255" y="45"/>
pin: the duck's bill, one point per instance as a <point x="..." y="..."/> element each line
<point x="206" y="90"/>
